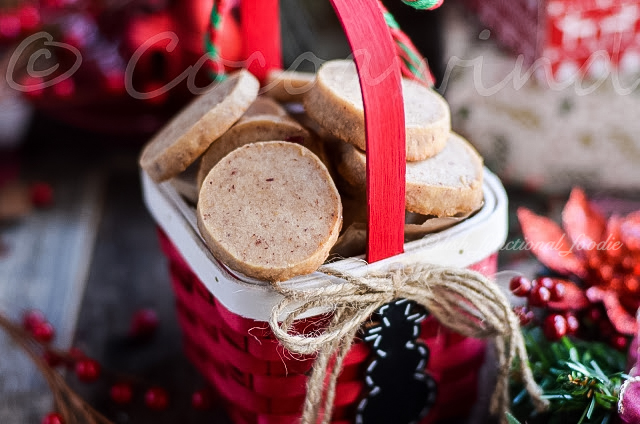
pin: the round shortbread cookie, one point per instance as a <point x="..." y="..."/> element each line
<point x="447" y="184"/>
<point x="188" y="135"/>
<point x="335" y="102"/>
<point x="288" y="86"/>
<point x="270" y="211"/>
<point x="260" y="123"/>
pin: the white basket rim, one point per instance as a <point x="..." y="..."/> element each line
<point x="462" y="245"/>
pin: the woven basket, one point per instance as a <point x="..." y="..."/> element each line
<point x="223" y="314"/>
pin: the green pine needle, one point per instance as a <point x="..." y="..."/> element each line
<point x="580" y="379"/>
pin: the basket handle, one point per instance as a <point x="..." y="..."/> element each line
<point x="380" y="81"/>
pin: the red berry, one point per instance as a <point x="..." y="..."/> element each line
<point x="41" y="194"/>
<point x="520" y="286"/>
<point x="29" y="16"/>
<point x="558" y="291"/>
<point x="144" y="323"/>
<point x="53" y="418"/>
<point x="539" y="296"/>
<point x="33" y="318"/>
<point x="573" y="325"/>
<point x="121" y="393"/>
<point x="546" y="282"/>
<point x="201" y="400"/>
<point x="52" y="358"/>
<point x="619" y="342"/>
<point x="43" y="332"/>
<point x="88" y="370"/>
<point x="555" y="327"/>
<point x="156" y="398"/>
<point x="524" y="314"/>
<point x="64" y="89"/>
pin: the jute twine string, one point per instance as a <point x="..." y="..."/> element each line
<point x="462" y="300"/>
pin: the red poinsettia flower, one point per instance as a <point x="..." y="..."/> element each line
<point x="603" y="254"/>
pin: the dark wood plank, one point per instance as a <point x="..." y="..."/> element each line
<point x="45" y="267"/>
<point x="129" y="272"/>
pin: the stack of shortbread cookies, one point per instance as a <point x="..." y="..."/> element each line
<point x="268" y="166"/>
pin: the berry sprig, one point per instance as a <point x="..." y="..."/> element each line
<point x="71" y="408"/>
<point x="35" y="336"/>
<point x="560" y="308"/>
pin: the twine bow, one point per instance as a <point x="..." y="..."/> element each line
<point x="462" y="300"/>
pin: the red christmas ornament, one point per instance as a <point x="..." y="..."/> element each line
<point x="88" y="370"/>
<point x="156" y="398"/>
<point x="53" y="418"/>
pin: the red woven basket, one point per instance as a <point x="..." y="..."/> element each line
<point x="261" y="383"/>
<point x="258" y="380"/>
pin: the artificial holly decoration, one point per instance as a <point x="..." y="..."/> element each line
<point x="399" y="389"/>
<point x="598" y="260"/>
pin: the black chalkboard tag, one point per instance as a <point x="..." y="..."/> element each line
<point x="400" y="391"/>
